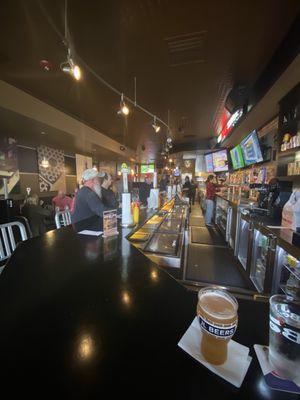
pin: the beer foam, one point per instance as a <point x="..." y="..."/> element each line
<point x="218" y="304"/>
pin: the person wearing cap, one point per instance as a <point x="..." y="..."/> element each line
<point x="88" y="201"/>
<point x="108" y="196"/>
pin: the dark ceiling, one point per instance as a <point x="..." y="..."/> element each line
<point x="232" y="42"/>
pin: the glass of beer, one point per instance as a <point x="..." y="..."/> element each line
<point x="217" y="315"/>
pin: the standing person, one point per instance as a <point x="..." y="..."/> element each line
<point x="163" y="183"/>
<point x="35" y="214"/>
<point x="108" y="196"/>
<point x="193" y="192"/>
<point x="211" y="189"/>
<point x="88" y="201"/>
<point x="145" y="188"/>
<point x="61" y="201"/>
<point x="187" y="188"/>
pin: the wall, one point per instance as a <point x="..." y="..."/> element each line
<point x="29" y="173"/>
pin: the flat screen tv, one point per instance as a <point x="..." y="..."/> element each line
<point x="237" y="158"/>
<point x="209" y="162"/>
<point x="220" y="161"/>
<point x="147" y="168"/>
<point x="251" y="149"/>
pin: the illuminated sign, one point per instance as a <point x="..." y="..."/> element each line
<point x="229" y="124"/>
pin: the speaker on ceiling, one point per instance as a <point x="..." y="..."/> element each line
<point x="236" y="98"/>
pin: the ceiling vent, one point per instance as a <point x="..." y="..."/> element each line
<point x="186" y="49"/>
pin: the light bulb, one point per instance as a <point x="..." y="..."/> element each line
<point x="124" y="109"/>
<point x="45" y="163"/>
<point x="76" y="72"/>
<point x="156" y="128"/>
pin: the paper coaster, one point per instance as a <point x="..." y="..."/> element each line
<point x="238" y="360"/>
<point x="273" y="380"/>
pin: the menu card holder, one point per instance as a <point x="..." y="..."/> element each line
<point x="110" y="224"/>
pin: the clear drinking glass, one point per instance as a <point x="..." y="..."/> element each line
<point x="284" y="336"/>
<point x="217" y="315"/>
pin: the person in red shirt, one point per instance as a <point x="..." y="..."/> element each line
<point x="211" y="189"/>
<point x="61" y="201"/>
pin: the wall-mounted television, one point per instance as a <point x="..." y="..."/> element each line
<point x="209" y="162"/>
<point x="147" y="168"/>
<point x="251" y="149"/>
<point x="220" y="161"/>
<point x="237" y="158"/>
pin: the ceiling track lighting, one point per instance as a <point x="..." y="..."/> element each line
<point x="155" y="126"/>
<point x="69" y="67"/>
<point x="124" y="110"/>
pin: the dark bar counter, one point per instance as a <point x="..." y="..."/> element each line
<point x="87" y="317"/>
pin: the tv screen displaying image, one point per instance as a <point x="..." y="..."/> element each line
<point x="251" y="149"/>
<point x="237" y="158"/>
<point x="220" y="161"/>
<point x="209" y="162"/>
<point x="147" y="168"/>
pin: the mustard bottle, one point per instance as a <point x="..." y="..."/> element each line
<point x="136" y="213"/>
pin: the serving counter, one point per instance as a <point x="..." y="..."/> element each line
<point x="265" y="251"/>
<point x="86" y="317"/>
<point x="162" y="236"/>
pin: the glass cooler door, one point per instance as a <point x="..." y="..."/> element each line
<point x="287" y="276"/>
<point x="243" y="240"/>
<point x="170" y="225"/>
<point x="221" y="214"/>
<point x="262" y="261"/>
<point x="163" y="243"/>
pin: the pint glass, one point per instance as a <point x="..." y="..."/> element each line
<point x="217" y="315"/>
<point x="284" y="336"/>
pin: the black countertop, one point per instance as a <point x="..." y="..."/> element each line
<point x="86" y="317"/>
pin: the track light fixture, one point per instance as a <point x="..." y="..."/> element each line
<point x="155" y="126"/>
<point x="123" y="107"/>
<point x="69" y="67"/>
<point x="169" y="140"/>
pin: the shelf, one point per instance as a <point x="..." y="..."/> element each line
<point x="283" y="288"/>
<point x="288" y="152"/>
<point x="289" y="177"/>
<point x="294" y="272"/>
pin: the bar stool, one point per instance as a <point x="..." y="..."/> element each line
<point x="62" y="218"/>
<point x="8" y="239"/>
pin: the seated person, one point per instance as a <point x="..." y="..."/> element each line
<point x="35" y="214"/>
<point x="108" y="196"/>
<point x="88" y="201"/>
<point x="61" y="201"/>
